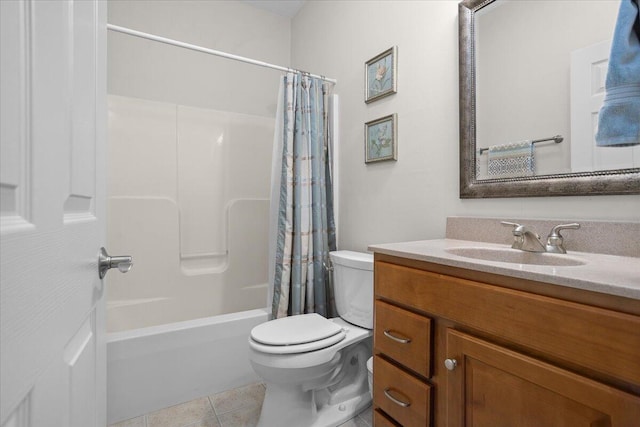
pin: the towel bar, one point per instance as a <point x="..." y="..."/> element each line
<point x="557" y="139"/>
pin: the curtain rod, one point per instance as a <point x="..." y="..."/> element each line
<point x="209" y="51"/>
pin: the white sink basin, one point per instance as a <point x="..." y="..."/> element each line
<point x="515" y="256"/>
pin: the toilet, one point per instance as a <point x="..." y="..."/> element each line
<point x="315" y="368"/>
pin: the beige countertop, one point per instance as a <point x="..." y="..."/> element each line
<point x="609" y="274"/>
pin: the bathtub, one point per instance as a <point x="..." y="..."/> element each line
<point x="160" y="366"/>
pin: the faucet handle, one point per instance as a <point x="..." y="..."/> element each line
<point x="555" y="241"/>
<point x="518" y="239"/>
<point x="555" y="231"/>
<point x="510" y="224"/>
<point x="519" y="229"/>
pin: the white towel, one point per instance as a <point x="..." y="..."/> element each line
<point x="511" y="160"/>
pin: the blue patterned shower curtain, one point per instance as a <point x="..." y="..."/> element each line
<point x="302" y="200"/>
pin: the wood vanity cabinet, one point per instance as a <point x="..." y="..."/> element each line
<point x="518" y="353"/>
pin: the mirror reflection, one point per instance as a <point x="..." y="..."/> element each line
<point x="540" y="73"/>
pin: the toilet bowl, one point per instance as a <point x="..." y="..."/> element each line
<point x="314" y="368"/>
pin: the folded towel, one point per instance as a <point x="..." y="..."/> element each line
<point x="619" y="119"/>
<point x="511" y="160"/>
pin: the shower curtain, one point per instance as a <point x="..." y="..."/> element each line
<point x="302" y="224"/>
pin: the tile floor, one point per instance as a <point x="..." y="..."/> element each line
<point x="239" y="407"/>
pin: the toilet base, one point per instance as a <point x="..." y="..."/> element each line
<point x="287" y="408"/>
<point x="326" y="401"/>
<point x="334" y="415"/>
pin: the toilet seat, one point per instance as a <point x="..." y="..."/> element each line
<point x="296" y="334"/>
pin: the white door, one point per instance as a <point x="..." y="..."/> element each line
<point x="588" y="75"/>
<point x="52" y="177"/>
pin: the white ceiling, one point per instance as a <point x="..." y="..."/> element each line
<point x="287" y="8"/>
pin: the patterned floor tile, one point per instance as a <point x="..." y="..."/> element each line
<point x="367" y="416"/>
<point x="209" y="422"/>
<point x="133" y="422"/>
<point x="244" y="417"/>
<point x="251" y="395"/>
<point x="198" y="410"/>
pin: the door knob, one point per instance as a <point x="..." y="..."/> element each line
<point x="105" y="262"/>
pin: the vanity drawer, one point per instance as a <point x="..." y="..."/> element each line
<point x="403" y="336"/>
<point x="400" y="395"/>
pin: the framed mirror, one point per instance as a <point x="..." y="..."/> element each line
<point x="532" y="71"/>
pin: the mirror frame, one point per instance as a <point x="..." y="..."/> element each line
<point x="618" y="181"/>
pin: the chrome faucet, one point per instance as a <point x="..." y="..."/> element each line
<point x="555" y="241"/>
<point x="526" y="239"/>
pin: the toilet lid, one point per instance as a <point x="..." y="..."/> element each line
<point x="294" y="330"/>
<point x="298" y="348"/>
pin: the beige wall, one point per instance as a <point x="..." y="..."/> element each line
<point x="389" y="201"/>
<point x="154" y="71"/>
<point x="411" y="198"/>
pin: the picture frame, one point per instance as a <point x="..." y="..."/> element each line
<point x="380" y="75"/>
<point x="381" y="139"/>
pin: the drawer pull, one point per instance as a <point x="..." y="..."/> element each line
<point x="394" y="400"/>
<point x="388" y="334"/>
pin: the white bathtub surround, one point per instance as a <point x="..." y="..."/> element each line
<point x="160" y="366"/>
<point x="188" y="199"/>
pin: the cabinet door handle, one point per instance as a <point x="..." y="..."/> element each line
<point x="387" y="333"/>
<point x="394" y="400"/>
<point x="450" y="364"/>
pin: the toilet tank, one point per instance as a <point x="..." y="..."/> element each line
<point x="353" y="286"/>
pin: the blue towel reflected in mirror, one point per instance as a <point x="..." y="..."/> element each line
<point x="619" y="118"/>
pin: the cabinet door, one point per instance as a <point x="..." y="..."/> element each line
<point x="492" y="386"/>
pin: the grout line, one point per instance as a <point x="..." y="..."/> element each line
<point x="248" y="403"/>
<point x="362" y="418"/>
<point x="215" y="413"/>
<point x="364" y="421"/>
<point x="246" y="406"/>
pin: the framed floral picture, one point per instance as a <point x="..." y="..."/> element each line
<point x="380" y="75"/>
<point x="380" y="139"/>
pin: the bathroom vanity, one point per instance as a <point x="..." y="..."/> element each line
<point x="466" y="342"/>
